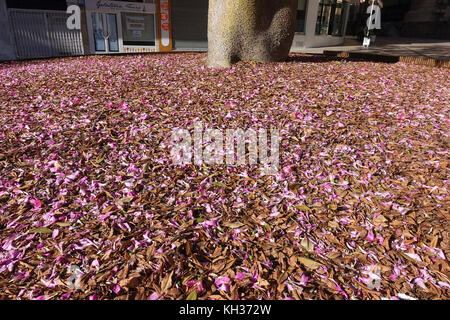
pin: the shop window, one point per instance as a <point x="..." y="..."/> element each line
<point x="301" y="16"/>
<point x="105" y="32"/>
<point x="331" y="17"/>
<point x="113" y="37"/>
<point x="138" y="29"/>
<point x="99" y="36"/>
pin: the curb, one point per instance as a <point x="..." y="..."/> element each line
<point x="431" y="62"/>
<point x="99" y="55"/>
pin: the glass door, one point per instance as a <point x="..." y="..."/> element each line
<point x="331" y="16"/>
<point x="113" y="37"/>
<point x="105" y="32"/>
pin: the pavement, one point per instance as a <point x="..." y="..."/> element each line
<point x="397" y="47"/>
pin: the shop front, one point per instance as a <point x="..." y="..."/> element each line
<point x="166" y="25"/>
<point x="321" y="23"/>
<point x="128" y="27"/>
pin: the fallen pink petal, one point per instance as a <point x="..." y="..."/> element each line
<point x="89" y="192"/>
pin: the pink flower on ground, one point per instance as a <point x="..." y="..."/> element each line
<point x="370" y="236"/>
<point x="223" y="283"/>
<point x="239" y="276"/>
<point x="288" y="169"/>
<point x="65" y="296"/>
<point x="420" y="283"/>
<point x="304" y="280"/>
<point x="37" y="204"/>
<point x="154" y="296"/>
<point x="95" y="264"/>
<point x="116" y="288"/>
<point x="328" y="187"/>
<point x="55" y="233"/>
<point x="196" y="283"/>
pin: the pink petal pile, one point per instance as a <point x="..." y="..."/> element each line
<point x="92" y="207"/>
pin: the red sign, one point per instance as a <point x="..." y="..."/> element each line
<point x="164" y="21"/>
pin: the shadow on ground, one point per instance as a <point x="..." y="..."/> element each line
<point x="320" y="58"/>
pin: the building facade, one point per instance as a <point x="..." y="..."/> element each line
<point x="427" y="19"/>
<point x="109" y="27"/>
<point x="321" y="23"/>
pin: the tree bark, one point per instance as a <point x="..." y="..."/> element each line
<point x="257" y="30"/>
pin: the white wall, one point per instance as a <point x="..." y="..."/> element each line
<point x="7" y="51"/>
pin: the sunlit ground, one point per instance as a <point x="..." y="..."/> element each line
<point x="91" y="205"/>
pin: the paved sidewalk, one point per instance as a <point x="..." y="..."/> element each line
<point x="399" y="47"/>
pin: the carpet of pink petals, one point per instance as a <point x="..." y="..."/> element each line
<point x="92" y="207"/>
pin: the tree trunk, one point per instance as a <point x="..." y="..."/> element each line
<point x="257" y="30"/>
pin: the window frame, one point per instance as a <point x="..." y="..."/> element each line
<point x="304" y="20"/>
<point x="327" y="15"/>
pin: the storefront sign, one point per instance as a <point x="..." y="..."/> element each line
<point x="135" y="23"/>
<point x="119" y="6"/>
<point x="164" y="26"/>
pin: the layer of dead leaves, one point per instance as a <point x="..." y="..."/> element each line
<point x="91" y="206"/>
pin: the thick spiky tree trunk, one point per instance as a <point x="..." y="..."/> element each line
<point x="257" y="30"/>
